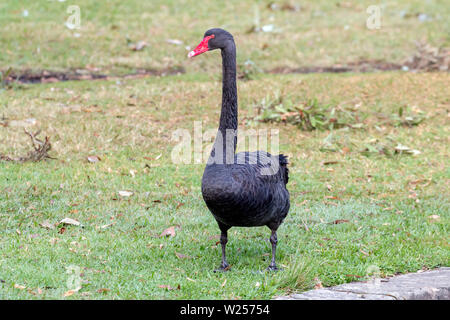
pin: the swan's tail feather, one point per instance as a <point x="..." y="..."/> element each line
<point x="283" y="166"/>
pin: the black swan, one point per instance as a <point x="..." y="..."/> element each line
<point x="247" y="189"/>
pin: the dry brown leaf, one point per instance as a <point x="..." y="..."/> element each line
<point x="70" y="221"/>
<point x="340" y="221"/>
<point x="182" y="256"/>
<point x="363" y="252"/>
<point x="326" y="163"/>
<point x="318" y="283"/>
<point x="168" y="232"/>
<point x="125" y="193"/>
<point x="107" y="225"/>
<point x="166" y="286"/>
<point x="174" y="41"/>
<point x="179" y="205"/>
<point x="434" y="218"/>
<point x="71" y="292"/>
<point x="353" y="275"/>
<point x="22" y="123"/>
<point x="137" y="46"/>
<point x="46" y="224"/>
<point x="103" y="290"/>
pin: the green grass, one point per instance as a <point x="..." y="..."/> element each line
<point x="387" y="201"/>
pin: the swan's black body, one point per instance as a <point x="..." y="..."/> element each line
<point x="247" y="189"/>
<point x="238" y="195"/>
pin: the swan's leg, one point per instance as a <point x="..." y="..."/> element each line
<point x="273" y="241"/>
<point x="224" y="266"/>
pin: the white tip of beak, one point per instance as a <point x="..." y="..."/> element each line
<point x="191" y="54"/>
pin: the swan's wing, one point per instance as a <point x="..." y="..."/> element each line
<point x="265" y="166"/>
<point x="261" y="184"/>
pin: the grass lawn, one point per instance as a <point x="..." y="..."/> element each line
<point x="359" y="205"/>
<point x="358" y="214"/>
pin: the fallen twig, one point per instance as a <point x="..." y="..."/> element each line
<point x="40" y="152"/>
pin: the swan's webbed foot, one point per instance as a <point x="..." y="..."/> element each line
<point x="223" y="267"/>
<point x="273" y="267"/>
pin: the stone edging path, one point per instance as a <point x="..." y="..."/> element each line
<point x="424" y="285"/>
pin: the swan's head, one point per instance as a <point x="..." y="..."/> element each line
<point x="213" y="39"/>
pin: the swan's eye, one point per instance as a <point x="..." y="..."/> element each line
<point x="202" y="47"/>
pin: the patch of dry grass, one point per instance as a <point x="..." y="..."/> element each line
<point x="349" y="211"/>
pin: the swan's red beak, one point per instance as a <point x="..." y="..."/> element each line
<point x="202" y="47"/>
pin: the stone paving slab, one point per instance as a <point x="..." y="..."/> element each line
<point x="426" y="285"/>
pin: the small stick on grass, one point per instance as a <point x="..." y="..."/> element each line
<point x="40" y="152"/>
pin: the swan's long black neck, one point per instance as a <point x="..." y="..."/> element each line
<point x="226" y="139"/>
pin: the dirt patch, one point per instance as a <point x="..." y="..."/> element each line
<point x="425" y="58"/>
<point x="47" y="76"/>
<point x="359" y="66"/>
